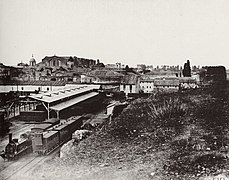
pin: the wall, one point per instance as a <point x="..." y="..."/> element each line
<point x="147" y="86"/>
<point x="126" y="88"/>
<point x="27" y="88"/>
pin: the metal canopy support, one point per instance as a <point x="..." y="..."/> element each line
<point x="58" y="114"/>
<point x="47" y="108"/>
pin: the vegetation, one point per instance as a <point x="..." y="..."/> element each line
<point x="187" y="69"/>
<point x="182" y="135"/>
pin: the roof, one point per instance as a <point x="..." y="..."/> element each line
<point x="42" y="126"/>
<point x="49" y="134"/>
<point x="73" y="101"/>
<point x="74" y="118"/>
<point x="66" y="92"/>
<point x="166" y="82"/>
<point x="130" y="79"/>
<point x="36" y="83"/>
<point x="187" y="80"/>
<point x="104" y="73"/>
<point x="60" y="127"/>
<point x="52" y="121"/>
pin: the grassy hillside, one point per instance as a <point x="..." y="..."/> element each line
<point x="180" y="136"/>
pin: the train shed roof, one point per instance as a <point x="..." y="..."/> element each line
<point x="73" y="101"/>
<point x="66" y="92"/>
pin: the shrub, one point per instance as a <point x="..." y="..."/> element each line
<point x="168" y="114"/>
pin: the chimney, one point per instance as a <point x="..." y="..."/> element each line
<point x="10" y="137"/>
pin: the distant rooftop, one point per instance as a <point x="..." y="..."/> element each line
<point x="34" y="83"/>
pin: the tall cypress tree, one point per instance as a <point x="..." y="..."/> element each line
<point x="187" y="69"/>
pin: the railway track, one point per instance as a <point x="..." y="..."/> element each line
<point x="24" y="166"/>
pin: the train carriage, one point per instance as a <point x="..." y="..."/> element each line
<point x="53" y="121"/>
<point x="75" y="123"/>
<point x="45" y="142"/>
<point x="44" y="137"/>
<point x="50" y="141"/>
<point x="40" y="128"/>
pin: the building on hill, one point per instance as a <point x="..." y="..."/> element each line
<point x="213" y="75"/>
<point x="188" y="83"/>
<point x="55" y="61"/>
<point x="141" y="67"/>
<point x="5" y="72"/>
<point x="147" y="84"/>
<point x="167" y="84"/>
<point x="150" y="84"/>
<point x="9" y="72"/>
<point x="130" y="83"/>
<point x="32" y="61"/>
<point x="68" y="61"/>
<point x="115" y="66"/>
<point x="102" y="76"/>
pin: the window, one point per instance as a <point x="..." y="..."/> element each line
<point x="47" y="89"/>
<point x="130" y="88"/>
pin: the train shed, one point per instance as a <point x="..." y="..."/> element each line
<point x="66" y="97"/>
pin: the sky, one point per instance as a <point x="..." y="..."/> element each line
<point x="151" y="32"/>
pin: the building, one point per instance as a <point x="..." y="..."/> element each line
<point x="27" y="87"/>
<point x="8" y="73"/>
<point x="141" y="67"/>
<point x="130" y="83"/>
<point x="147" y="84"/>
<point x="115" y="66"/>
<point x="166" y="84"/>
<point x="32" y="61"/>
<point x="102" y="76"/>
<point x="188" y="83"/>
<point x="67" y="61"/>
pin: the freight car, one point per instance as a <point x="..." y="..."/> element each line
<point x="53" y="121"/>
<point x="75" y="122"/>
<point x="39" y="128"/>
<point x="43" y="137"/>
<point x="55" y="136"/>
<point x="45" y="142"/>
<point x="17" y="147"/>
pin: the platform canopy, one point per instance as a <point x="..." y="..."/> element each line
<point x="66" y="92"/>
<point x="73" y="101"/>
<point x="65" y="97"/>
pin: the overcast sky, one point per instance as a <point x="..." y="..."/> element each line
<point x="151" y="32"/>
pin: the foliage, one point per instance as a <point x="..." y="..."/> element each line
<point x="187" y="69"/>
<point x="171" y="108"/>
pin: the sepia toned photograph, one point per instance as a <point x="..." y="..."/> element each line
<point x="114" y="90"/>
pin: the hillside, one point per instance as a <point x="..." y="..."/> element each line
<point x="175" y="136"/>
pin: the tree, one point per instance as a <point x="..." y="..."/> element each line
<point x="127" y="69"/>
<point x="187" y="69"/>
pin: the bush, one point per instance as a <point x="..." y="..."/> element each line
<point x="168" y="114"/>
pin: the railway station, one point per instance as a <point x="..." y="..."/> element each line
<point x="62" y="99"/>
